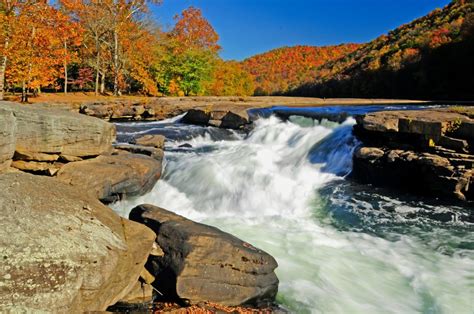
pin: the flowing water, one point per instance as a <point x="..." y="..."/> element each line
<point x="341" y="247"/>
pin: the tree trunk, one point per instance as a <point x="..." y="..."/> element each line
<point x="3" y="67"/>
<point x="97" y="65"/>
<point x="26" y="86"/>
<point x="102" y="82"/>
<point x="3" y="64"/>
<point x="65" y="68"/>
<point x="116" y="64"/>
<point x="24" y="94"/>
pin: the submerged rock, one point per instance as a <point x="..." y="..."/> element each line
<point x="109" y="178"/>
<point x="204" y="264"/>
<point x="63" y="251"/>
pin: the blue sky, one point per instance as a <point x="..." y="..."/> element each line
<point x="248" y="27"/>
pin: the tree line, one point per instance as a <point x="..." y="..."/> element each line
<point x="429" y="58"/>
<point x="111" y="46"/>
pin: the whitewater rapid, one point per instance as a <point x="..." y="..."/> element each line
<point x="341" y="248"/>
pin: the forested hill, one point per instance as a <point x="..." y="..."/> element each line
<point x="282" y="69"/>
<point x="429" y="58"/>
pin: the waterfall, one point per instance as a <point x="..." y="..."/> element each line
<point x="282" y="188"/>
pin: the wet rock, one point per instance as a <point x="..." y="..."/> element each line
<point x="109" y="178"/>
<point x="63" y="251"/>
<point x="201" y="263"/>
<point x="49" y="131"/>
<point x="7" y="138"/>
<point x="157" y="141"/>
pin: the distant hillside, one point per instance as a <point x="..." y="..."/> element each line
<point x="431" y="57"/>
<point x="283" y="69"/>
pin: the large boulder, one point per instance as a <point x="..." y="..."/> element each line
<point x="45" y="130"/>
<point x="109" y="178"/>
<point x="227" y="117"/>
<point x="197" y="116"/>
<point x="202" y="263"/>
<point x="63" y="251"/>
<point x="7" y="138"/>
<point x="235" y="119"/>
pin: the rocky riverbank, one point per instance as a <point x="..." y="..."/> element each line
<point x="427" y="152"/>
<point x="64" y="250"/>
<point x="224" y="112"/>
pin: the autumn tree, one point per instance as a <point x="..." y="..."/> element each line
<point x="7" y="19"/>
<point x="193" y="31"/>
<point x="229" y="79"/>
<point x="122" y="13"/>
<point x="36" y="45"/>
<point x="189" y="55"/>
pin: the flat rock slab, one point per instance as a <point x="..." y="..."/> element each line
<point x="432" y="123"/>
<point x="109" y="178"/>
<point x="63" y="251"/>
<point x="50" y="131"/>
<point x="202" y="263"/>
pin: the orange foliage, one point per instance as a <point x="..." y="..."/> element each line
<point x="282" y="69"/>
<point x="402" y="45"/>
<point x="230" y="79"/>
<point x="193" y="31"/>
<point x="36" y="51"/>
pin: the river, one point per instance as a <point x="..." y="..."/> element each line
<point x="341" y="247"/>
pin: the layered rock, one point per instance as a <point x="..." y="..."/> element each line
<point x="7" y="139"/>
<point x="109" y="178"/>
<point x="50" y="131"/>
<point x="428" y="151"/>
<point x="204" y="264"/>
<point x="63" y="251"/>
